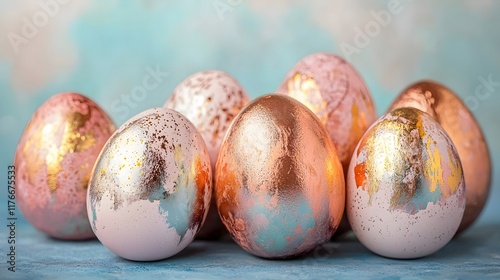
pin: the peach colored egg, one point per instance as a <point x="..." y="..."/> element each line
<point x="337" y="94"/>
<point x="279" y="183"/>
<point x="405" y="186"/>
<point x="210" y="100"/>
<point x="453" y="115"/>
<point x="150" y="189"/>
<point x="54" y="159"/>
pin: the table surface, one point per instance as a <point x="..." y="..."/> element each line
<point x="474" y="253"/>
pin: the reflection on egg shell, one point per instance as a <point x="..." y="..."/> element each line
<point x="459" y="123"/>
<point x="279" y="183"/>
<point x="54" y="159"/>
<point x="337" y="94"/>
<point x="210" y="100"/>
<point x="405" y="186"/>
<point x="151" y="186"/>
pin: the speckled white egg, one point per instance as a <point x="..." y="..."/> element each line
<point x="150" y="189"/>
<point x="405" y="186"/>
<point x="210" y="100"/>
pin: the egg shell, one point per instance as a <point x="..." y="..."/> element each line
<point x="331" y="88"/>
<point x="279" y="183"/>
<point x="405" y="186"/>
<point x="54" y="159"/>
<point x="459" y="123"/>
<point x="337" y="94"/>
<point x="151" y="186"/>
<point x="210" y="100"/>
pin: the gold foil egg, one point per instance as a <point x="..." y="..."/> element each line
<point x="453" y="115"/>
<point x="54" y="159"/>
<point x="210" y="100"/>
<point x="151" y="186"/>
<point x="279" y="183"/>
<point x="337" y="94"/>
<point x="405" y="186"/>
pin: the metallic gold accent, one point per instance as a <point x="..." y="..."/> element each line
<point x="306" y="90"/>
<point x="453" y="115"/>
<point x="71" y="141"/>
<point x="393" y="152"/>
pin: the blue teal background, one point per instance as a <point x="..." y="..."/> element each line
<point x="105" y="49"/>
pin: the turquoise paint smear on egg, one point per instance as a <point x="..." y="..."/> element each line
<point x="177" y="206"/>
<point x="94" y="215"/>
<point x="281" y="232"/>
<point x="424" y="195"/>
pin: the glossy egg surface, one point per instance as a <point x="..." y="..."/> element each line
<point x="279" y="183"/>
<point x="459" y="123"/>
<point x="210" y="100"/>
<point x="405" y="186"/>
<point x="151" y="187"/>
<point x="54" y="159"/>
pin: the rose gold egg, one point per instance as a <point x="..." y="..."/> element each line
<point x="54" y="159"/>
<point x="279" y="183"/>
<point x="210" y="100"/>
<point x="337" y="94"/>
<point x="448" y="110"/>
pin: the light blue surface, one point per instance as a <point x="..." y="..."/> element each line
<point x="106" y="48"/>
<point x="475" y="255"/>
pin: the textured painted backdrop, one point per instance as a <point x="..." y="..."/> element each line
<point x="106" y="48"/>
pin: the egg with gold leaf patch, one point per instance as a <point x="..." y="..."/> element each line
<point x="405" y="186"/>
<point x="54" y="159"/>
<point x="331" y="88"/>
<point x="459" y="123"/>
<point x="151" y="186"/>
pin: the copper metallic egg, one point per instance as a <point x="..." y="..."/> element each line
<point x="448" y="110"/>
<point x="279" y="183"/>
<point x="337" y="94"/>
<point x="54" y="159"/>
<point x="210" y="100"/>
<point x="405" y="186"/>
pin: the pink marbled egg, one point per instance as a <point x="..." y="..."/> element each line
<point x="54" y="159"/>
<point x="337" y="94"/>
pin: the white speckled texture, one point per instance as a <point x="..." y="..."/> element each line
<point x="405" y="186"/>
<point x="151" y="187"/>
<point x="210" y="100"/>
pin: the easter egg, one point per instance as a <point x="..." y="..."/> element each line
<point x="150" y="189"/>
<point x="333" y="89"/>
<point x="210" y="100"/>
<point x="279" y="183"/>
<point x="459" y="123"/>
<point x="405" y="186"/>
<point x="54" y="159"/>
